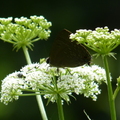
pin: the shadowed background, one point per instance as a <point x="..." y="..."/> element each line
<point x="72" y="15"/>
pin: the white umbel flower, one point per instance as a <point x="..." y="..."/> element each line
<point x="49" y="81"/>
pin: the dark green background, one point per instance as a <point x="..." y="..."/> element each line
<point x="72" y="15"/>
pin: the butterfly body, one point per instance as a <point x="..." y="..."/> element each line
<point x="67" y="53"/>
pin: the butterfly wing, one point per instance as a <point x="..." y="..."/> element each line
<point x="66" y="53"/>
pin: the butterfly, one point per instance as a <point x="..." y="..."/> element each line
<point x="67" y="53"/>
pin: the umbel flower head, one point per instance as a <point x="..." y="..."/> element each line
<point x="48" y="81"/>
<point x="100" y="40"/>
<point x="23" y="31"/>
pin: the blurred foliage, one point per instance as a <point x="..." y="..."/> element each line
<point x="72" y="15"/>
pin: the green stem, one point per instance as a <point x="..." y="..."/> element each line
<point x="116" y="92"/>
<point x="110" y="91"/>
<point x="38" y="97"/>
<point x="60" y="108"/>
<point x="41" y="107"/>
<point x="26" y="53"/>
<point x="59" y="101"/>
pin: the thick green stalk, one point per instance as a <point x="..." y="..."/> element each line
<point x="110" y="91"/>
<point x="38" y="97"/>
<point x="60" y="108"/>
<point x="26" y="53"/>
<point x="59" y="101"/>
<point x="116" y="92"/>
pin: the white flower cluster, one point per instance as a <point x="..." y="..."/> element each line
<point x="84" y="80"/>
<point x="49" y="81"/>
<point x="24" y="31"/>
<point x="100" y="40"/>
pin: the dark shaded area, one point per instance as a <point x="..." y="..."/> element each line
<point x="72" y="15"/>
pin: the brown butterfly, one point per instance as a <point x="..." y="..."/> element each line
<point x="67" y="53"/>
